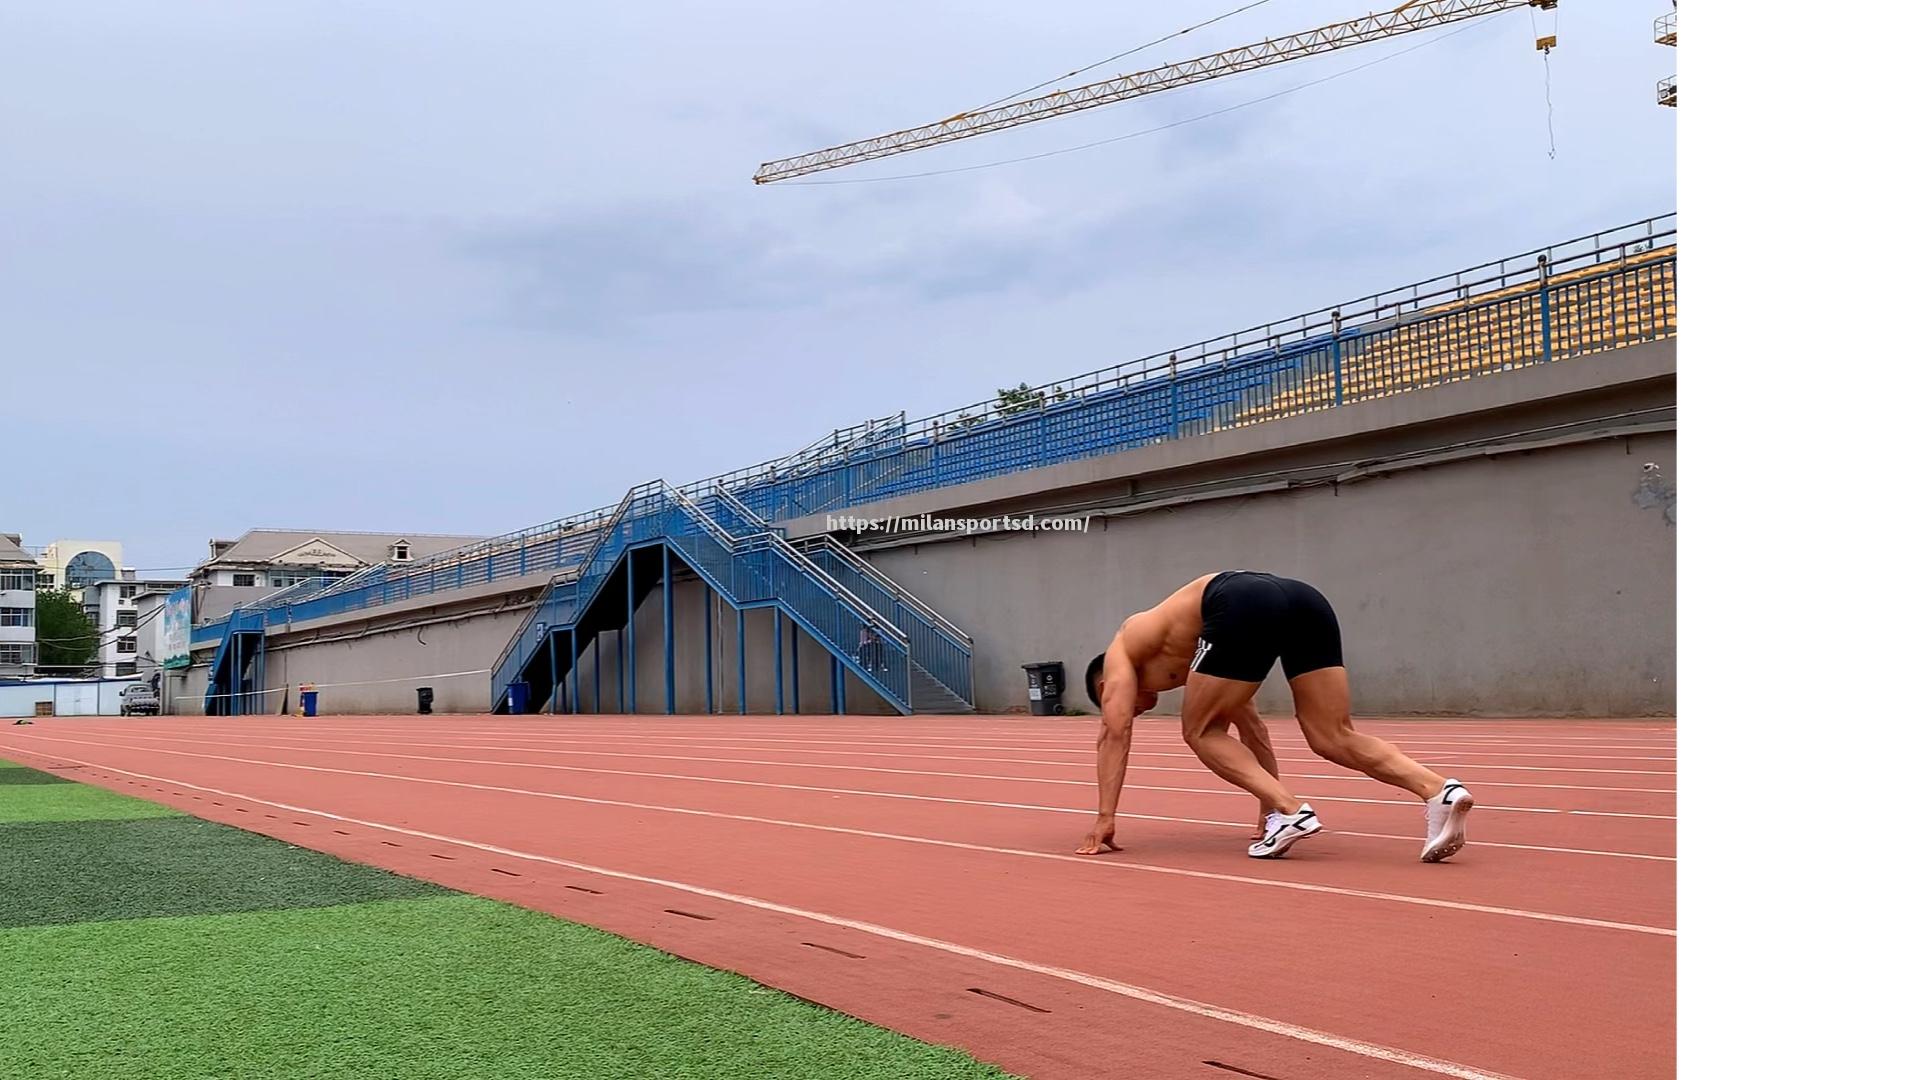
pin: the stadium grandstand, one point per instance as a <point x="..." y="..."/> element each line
<point x="1597" y="294"/>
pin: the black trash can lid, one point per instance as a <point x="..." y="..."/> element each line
<point x="1044" y="664"/>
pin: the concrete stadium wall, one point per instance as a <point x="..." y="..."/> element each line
<point x="372" y="661"/>
<point x="1523" y="585"/>
<point x="379" y="672"/>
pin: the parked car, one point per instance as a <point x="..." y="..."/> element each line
<point x="139" y="700"/>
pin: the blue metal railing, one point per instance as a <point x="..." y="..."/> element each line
<point x="557" y="607"/>
<point x="937" y="645"/>
<point x="753" y="571"/>
<point x="1494" y="317"/>
<point x="549" y="546"/>
<point x="561" y="599"/>
<point x="941" y="649"/>
<point x="766" y="569"/>
<point x="223" y="694"/>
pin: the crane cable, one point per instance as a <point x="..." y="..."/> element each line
<point x="1549" y="104"/>
<point x="1117" y="56"/>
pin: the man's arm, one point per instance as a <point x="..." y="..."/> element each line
<point x="1113" y="739"/>
<point x="1113" y="745"/>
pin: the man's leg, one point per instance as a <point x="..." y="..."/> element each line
<point x="1323" y="711"/>
<point x="1252" y="732"/>
<point x="1211" y="705"/>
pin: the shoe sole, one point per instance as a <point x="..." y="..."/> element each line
<point x="1454" y="835"/>
<point x="1278" y="853"/>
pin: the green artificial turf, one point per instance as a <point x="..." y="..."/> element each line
<point x="245" y="974"/>
<point x="31" y="795"/>
<point x="86" y="871"/>
<point x="453" y="987"/>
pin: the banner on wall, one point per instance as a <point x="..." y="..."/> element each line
<point x="176" y="629"/>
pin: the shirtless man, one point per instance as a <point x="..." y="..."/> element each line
<point x="1218" y="638"/>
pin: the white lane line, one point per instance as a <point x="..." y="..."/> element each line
<point x="1480" y="808"/>
<point x="916" y="737"/>
<point x="520" y="748"/>
<point x="1374" y="1051"/>
<point x="905" y="796"/>
<point x="907" y="727"/>
<point x="1075" y="860"/>
<point x="1184" y="755"/>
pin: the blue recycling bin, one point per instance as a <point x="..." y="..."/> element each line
<point x="517" y="696"/>
<point x="308" y="701"/>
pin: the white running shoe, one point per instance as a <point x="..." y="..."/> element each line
<point x="1282" y="830"/>
<point x="1447" y="813"/>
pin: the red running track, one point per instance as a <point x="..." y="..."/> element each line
<point x="918" y="873"/>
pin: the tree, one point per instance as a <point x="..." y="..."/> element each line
<point x="67" y="637"/>
<point x="1017" y="399"/>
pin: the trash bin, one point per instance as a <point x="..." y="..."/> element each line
<point x="517" y="696"/>
<point x="425" y="699"/>
<point x="308" y="700"/>
<point x="1046" y="687"/>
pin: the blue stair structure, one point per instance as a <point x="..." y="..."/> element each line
<point x="850" y="610"/>
<point x="940" y="657"/>
<point x="235" y="684"/>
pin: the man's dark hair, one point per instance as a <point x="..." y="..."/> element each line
<point x="1091" y="675"/>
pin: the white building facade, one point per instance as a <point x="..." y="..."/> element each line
<point x="75" y="564"/>
<point x="116" y="608"/>
<point x="19" y="578"/>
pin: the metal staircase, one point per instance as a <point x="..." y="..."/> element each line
<point x="940" y="658"/>
<point x="888" y="640"/>
<point x="233" y="683"/>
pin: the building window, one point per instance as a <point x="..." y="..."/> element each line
<point x="16" y="654"/>
<point x="45" y="577"/>
<point x="18" y="580"/>
<point x="126" y="645"/>
<point x="126" y="592"/>
<point x="126" y="618"/>
<point x="245" y="581"/>
<point x="402" y="552"/>
<point x="126" y="669"/>
<point x="16" y="616"/>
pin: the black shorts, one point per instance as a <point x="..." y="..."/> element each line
<point x="1252" y="618"/>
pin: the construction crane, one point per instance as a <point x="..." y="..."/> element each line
<point x="1408" y="18"/>
<point x="1666" y="35"/>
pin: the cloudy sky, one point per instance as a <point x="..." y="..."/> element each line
<point x="464" y="267"/>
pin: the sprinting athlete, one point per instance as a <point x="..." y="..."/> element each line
<point x="1218" y="637"/>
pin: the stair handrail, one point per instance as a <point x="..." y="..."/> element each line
<point x="570" y="573"/>
<point x="350" y="581"/>
<point x="843" y="551"/>
<point x="724" y="495"/>
<point x="784" y="547"/>
<point x="274" y="598"/>
<point x="560" y="577"/>
<point x="929" y="613"/>
<point x="831" y="445"/>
